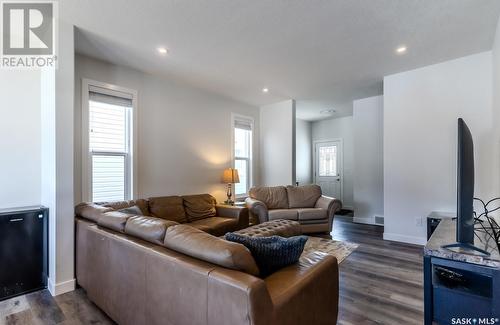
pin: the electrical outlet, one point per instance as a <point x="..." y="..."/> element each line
<point x="418" y="222"/>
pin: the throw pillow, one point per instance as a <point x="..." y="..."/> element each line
<point x="200" y="206"/>
<point x="271" y="253"/>
<point x="133" y="210"/>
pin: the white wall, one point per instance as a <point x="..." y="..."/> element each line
<point x="20" y="174"/>
<point x="368" y="188"/>
<point x="64" y="221"/>
<point x="303" y="150"/>
<point x="57" y="162"/>
<point x="184" y="134"/>
<point x="333" y="129"/>
<point x="421" y="108"/>
<point x="496" y="89"/>
<point x="277" y="144"/>
<point x="37" y="163"/>
<point x="48" y="164"/>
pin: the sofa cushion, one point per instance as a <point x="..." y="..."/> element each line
<point x="168" y="208"/>
<point x="288" y="214"/>
<point x="90" y="211"/>
<point x="199" y="206"/>
<point x="312" y="214"/>
<point x="118" y="205"/>
<point x="113" y="220"/>
<point x="273" y="197"/>
<point x="148" y="228"/>
<point x="216" y="226"/>
<point x="133" y="210"/>
<point x="303" y="196"/>
<point x="271" y="253"/>
<point x="196" y="243"/>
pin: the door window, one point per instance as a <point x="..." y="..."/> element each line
<point x="327" y="159"/>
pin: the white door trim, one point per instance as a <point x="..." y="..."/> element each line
<point x="341" y="142"/>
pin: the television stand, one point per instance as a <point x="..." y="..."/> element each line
<point x="460" y="284"/>
<point x="465" y="248"/>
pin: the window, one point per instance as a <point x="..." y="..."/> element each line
<point x="242" y="128"/>
<point x="108" y="131"/>
<point x="328" y="161"/>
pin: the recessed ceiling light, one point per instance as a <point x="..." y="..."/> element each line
<point x="401" y="50"/>
<point x="327" y="111"/>
<point x="162" y="51"/>
<point x="265" y="90"/>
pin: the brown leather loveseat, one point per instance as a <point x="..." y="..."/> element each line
<point x="141" y="269"/>
<point x="304" y="204"/>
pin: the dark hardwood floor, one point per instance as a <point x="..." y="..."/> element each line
<point x="380" y="283"/>
<point x="40" y="308"/>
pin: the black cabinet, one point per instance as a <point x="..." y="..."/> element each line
<point x="23" y="250"/>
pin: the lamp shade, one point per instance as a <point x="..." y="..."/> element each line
<point x="230" y="176"/>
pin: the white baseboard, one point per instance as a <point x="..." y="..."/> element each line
<point x="62" y="287"/>
<point x="366" y="221"/>
<point x="405" y="239"/>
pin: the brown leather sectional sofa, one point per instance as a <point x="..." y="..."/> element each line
<point x="304" y="204"/>
<point x="200" y="211"/>
<point x="149" y="269"/>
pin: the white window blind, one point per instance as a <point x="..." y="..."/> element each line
<point x="243" y="125"/>
<point x="109" y="146"/>
<point x="243" y="154"/>
<point x="108" y="178"/>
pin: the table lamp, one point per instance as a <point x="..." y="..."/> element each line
<point x="230" y="177"/>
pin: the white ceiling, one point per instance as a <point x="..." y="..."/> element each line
<point x="322" y="53"/>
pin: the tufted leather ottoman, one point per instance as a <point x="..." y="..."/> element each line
<point x="280" y="227"/>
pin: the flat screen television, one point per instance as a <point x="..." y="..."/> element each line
<point x="465" y="192"/>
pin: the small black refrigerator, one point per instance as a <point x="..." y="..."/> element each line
<point x="23" y="250"/>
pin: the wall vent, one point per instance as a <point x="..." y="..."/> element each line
<point x="379" y="220"/>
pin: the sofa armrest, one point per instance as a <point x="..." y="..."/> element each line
<point x="312" y="285"/>
<point x="331" y="205"/>
<point x="258" y="209"/>
<point x="229" y="211"/>
<point x="237" y="298"/>
<point x="91" y="211"/>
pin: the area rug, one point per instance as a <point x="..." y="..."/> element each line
<point x="339" y="249"/>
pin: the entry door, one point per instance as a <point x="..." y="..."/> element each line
<point x="328" y="167"/>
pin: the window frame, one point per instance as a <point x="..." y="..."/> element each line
<point x="131" y="165"/>
<point x="248" y="119"/>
